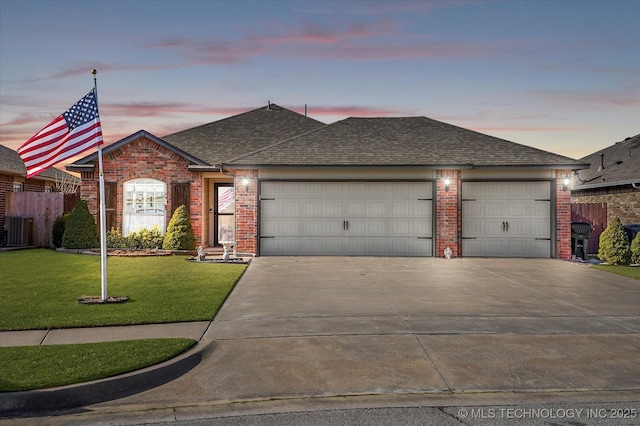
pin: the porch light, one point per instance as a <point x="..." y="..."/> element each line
<point x="447" y="183"/>
<point x="565" y="183"/>
<point x="245" y="183"/>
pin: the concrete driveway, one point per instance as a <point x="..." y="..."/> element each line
<point x="300" y="327"/>
<point x="301" y="332"/>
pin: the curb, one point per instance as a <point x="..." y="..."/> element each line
<point x="36" y="402"/>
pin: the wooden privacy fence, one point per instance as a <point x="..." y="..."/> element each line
<point x="596" y="215"/>
<point x="43" y="207"/>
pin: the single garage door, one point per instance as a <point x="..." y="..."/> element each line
<point x="506" y="219"/>
<point x="346" y="218"/>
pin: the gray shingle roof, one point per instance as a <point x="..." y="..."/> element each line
<point x="11" y="163"/>
<point x="231" y="137"/>
<point x="404" y="141"/>
<point x="89" y="161"/>
<point x="621" y="166"/>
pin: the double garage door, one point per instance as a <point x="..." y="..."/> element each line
<point x="506" y="219"/>
<point x="346" y="218"/>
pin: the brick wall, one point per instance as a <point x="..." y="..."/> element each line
<point x="448" y="213"/>
<point x="143" y="158"/>
<point x="247" y="211"/>
<point x="624" y="205"/>
<point x="563" y="216"/>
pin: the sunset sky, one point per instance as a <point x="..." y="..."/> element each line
<point x="563" y="76"/>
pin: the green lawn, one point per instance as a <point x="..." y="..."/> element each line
<point x="625" y="271"/>
<point x="39" y="290"/>
<point x="36" y="367"/>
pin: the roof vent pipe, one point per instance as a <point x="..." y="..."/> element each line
<point x="305" y="110"/>
<point x="601" y="167"/>
<point x="268" y="105"/>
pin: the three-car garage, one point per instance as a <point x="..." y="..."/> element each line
<point x="397" y="218"/>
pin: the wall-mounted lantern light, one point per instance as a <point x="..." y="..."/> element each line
<point x="245" y="183"/>
<point x="565" y="183"/>
<point x="447" y="183"/>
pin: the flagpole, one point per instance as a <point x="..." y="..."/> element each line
<point x="103" y="209"/>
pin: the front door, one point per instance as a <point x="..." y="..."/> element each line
<point x="224" y="213"/>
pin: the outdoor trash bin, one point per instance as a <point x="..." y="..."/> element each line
<point x="580" y="233"/>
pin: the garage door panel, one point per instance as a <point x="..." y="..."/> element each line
<point x="540" y="248"/>
<point x="337" y="218"/>
<point x="374" y="209"/>
<point x="504" y="219"/>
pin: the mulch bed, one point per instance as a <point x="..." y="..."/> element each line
<point x="95" y="300"/>
<point x="237" y="260"/>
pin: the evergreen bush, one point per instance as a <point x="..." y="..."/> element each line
<point x="115" y="239"/>
<point x="143" y="239"/>
<point x="635" y="249"/>
<point x="179" y="234"/>
<point x="80" y="231"/>
<point x="146" y="238"/>
<point x="57" y="230"/>
<point x="614" y="247"/>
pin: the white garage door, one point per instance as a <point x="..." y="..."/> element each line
<point x="506" y="219"/>
<point x="346" y="218"/>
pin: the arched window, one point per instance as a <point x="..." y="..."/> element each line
<point x="145" y="202"/>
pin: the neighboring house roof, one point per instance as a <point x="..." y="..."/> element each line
<point x="231" y="137"/>
<point x="404" y="141"/>
<point x="618" y="164"/>
<point x="12" y="164"/>
<point x="88" y="162"/>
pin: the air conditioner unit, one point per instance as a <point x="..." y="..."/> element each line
<point x="19" y="231"/>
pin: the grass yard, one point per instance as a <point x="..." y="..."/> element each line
<point x="36" y="367"/>
<point x="39" y="289"/>
<point x="625" y="271"/>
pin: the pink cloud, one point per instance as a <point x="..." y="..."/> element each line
<point x="348" y="111"/>
<point x="355" y="40"/>
<point x="619" y="97"/>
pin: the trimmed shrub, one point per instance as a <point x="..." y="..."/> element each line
<point x="614" y="247"/>
<point x="180" y="234"/>
<point x="116" y="240"/>
<point x="80" y="231"/>
<point x="143" y="239"/>
<point x="146" y="238"/>
<point x="635" y="249"/>
<point x="57" y="230"/>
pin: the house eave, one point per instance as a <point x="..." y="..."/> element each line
<point x="348" y="166"/>
<point x="203" y="168"/>
<point x="606" y="184"/>
<point x="533" y="166"/>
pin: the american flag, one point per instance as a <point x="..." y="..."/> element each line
<point x="71" y="133"/>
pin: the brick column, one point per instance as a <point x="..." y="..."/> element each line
<point x="563" y="216"/>
<point x="247" y="211"/>
<point x="448" y="213"/>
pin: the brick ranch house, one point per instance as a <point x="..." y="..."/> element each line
<point x="613" y="178"/>
<point x="609" y="188"/>
<point x="281" y="183"/>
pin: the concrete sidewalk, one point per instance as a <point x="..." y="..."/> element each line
<point x="61" y="336"/>
<point x="304" y="329"/>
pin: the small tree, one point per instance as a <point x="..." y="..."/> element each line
<point x="57" y="230"/>
<point x="614" y="247"/>
<point x="179" y="234"/>
<point x="635" y="249"/>
<point x="81" y="231"/>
